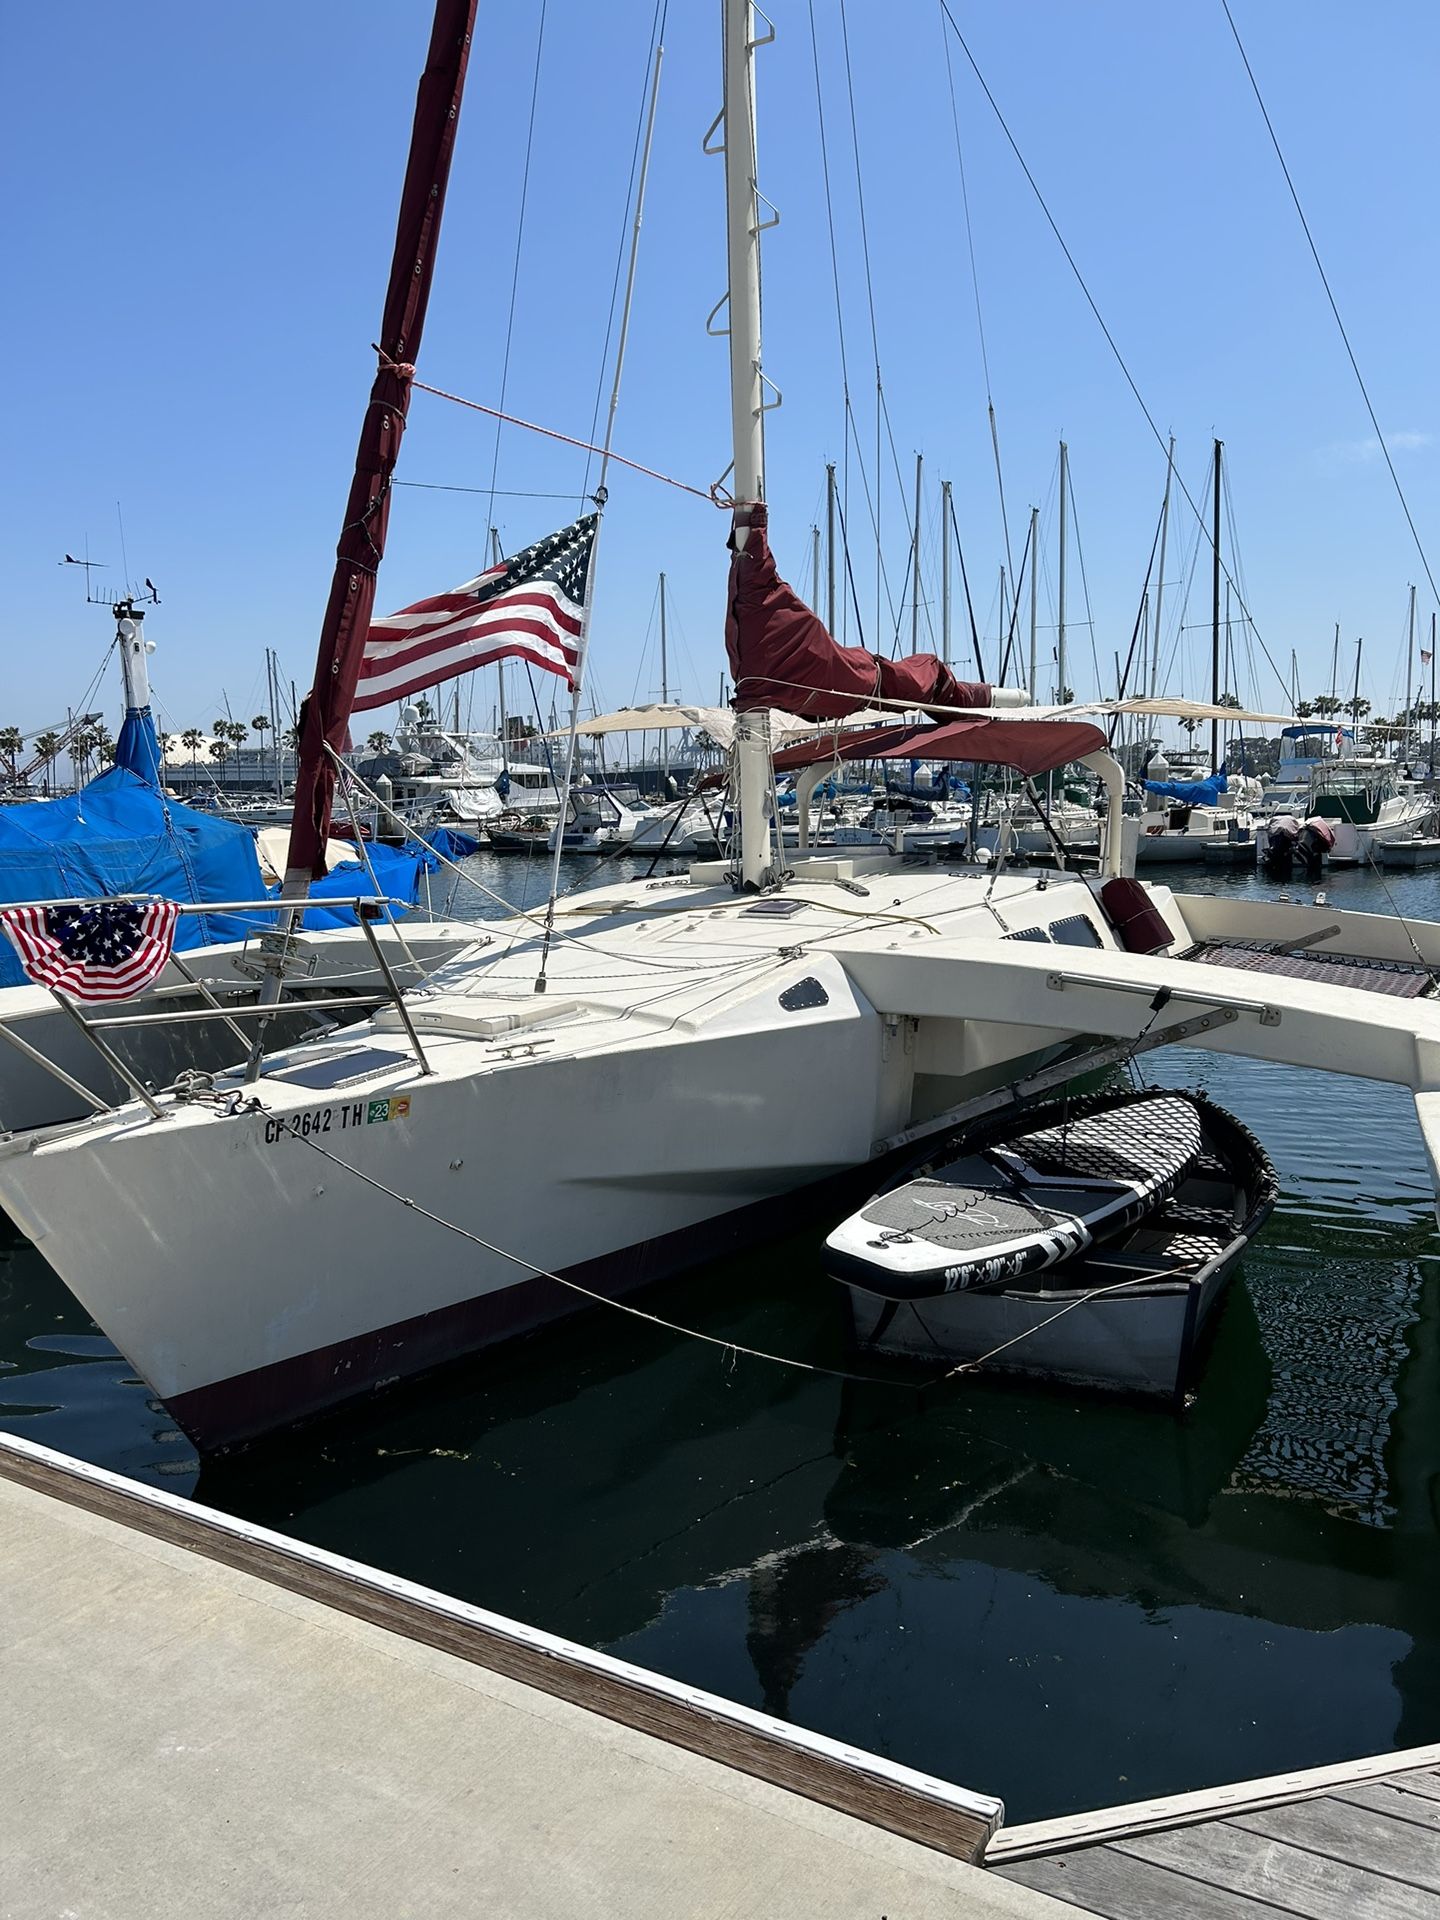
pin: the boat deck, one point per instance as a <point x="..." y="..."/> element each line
<point x="1368" y="1849"/>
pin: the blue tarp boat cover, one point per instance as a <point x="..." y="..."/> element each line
<point x="1190" y="793"/>
<point x="397" y="874"/>
<point x="121" y="835"/>
<point x="452" y="844"/>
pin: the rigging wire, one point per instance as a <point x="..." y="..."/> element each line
<point x="657" y="33"/>
<point x="493" y="493"/>
<point x="519" y="249"/>
<point x="975" y="284"/>
<point x="1325" y="283"/>
<point x="851" y="427"/>
<point x="870" y="298"/>
<point x="732" y="1347"/>
<point x="1110" y="340"/>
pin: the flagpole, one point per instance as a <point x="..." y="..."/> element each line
<point x="601" y="494"/>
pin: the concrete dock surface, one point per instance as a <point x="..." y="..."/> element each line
<point x="180" y="1737"/>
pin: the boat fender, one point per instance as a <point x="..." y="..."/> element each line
<point x="1138" y="923"/>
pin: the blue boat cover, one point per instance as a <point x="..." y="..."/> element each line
<point x="121" y="835"/>
<point x="397" y="874"/>
<point x="453" y="845"/>
<point x="138" y="749"/>
<point x="1191" y="793"/>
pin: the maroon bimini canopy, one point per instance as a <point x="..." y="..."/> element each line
<point x="1030" y="746"/>
<point x="782" y="656"/>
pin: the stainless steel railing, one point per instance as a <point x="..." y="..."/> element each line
<point x="281" y="946"/>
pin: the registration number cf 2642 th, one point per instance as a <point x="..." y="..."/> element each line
<point x="344" y="1118"/>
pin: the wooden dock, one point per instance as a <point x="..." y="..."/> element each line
<point x="1360" y="1841"/>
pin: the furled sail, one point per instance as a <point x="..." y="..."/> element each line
<point x="325" y="714"/>
<point x="782" y="656"/>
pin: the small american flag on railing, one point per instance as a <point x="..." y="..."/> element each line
<point x="101" y="950"/>
<point x="529" y="608"/>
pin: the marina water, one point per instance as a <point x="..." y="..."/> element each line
<point x="1064" y="1600"/>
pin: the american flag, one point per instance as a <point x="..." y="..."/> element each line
<point x="104" y="950"/>
<point x="529" y="608"/>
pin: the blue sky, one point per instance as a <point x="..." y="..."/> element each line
<point x="201" y="203"/>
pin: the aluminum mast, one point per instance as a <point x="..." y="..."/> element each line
<point x="747" y="395"/>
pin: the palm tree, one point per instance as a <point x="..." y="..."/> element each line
<point x="191" y="738"/>
<point x="1357" y="709"/>
<point x="261" y="725"/>
<point x="219" y="748"/>
<point x="1325" y="705"/>
<point x="12" y="743"/>
<point x="47" y="745"/>
<point x="90" y="745"/>
<point x="377" y="742"/>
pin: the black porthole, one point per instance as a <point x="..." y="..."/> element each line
<point x="805" y="993"/>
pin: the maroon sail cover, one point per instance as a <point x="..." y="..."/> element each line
<point x="325" y="712"/>
<point x="782" y="656"/>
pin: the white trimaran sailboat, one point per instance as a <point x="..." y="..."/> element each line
<point x="701" y="1050"/>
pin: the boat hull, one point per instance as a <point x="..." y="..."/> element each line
<point x="289" y="1280"/>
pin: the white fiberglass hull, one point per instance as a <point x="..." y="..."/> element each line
<point x="696" y="1061"/>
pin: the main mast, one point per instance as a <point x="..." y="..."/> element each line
<point x="747" y="399"/>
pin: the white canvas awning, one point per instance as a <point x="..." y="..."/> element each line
<point x="717" y="723"/>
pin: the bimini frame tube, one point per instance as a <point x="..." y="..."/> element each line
<point x="1112" y="775"/>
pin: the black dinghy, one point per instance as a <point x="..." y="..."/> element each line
<point x="1091" y="1248"/>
